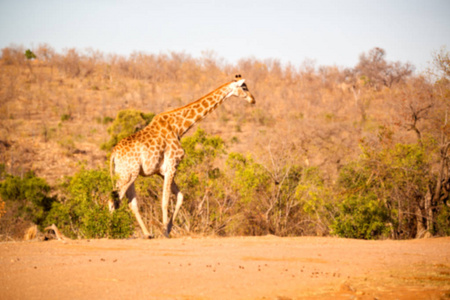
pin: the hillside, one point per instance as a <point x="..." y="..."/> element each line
<point x="55" y="111"/>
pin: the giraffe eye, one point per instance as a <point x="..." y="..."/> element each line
<point x="244" y="87"/>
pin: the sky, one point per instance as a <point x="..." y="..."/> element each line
<point x="324" y="31"/>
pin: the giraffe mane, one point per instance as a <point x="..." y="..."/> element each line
<point x="196" y="101"/>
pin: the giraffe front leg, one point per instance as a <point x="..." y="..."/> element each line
<point x="168" y="179"/>
<point x="175" y="191"/>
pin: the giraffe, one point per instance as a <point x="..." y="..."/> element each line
<point x="156" y="149"/>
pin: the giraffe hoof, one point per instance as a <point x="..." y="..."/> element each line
<point x="167" y="234"/>
<point x="150" y="236"/>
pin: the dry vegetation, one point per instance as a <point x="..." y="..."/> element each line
<point x="55" y="111"/>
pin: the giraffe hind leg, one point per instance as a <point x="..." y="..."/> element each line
<point x="167" y="187"/>
<point x="176" y="191"/>
<point x="132" y="203"/>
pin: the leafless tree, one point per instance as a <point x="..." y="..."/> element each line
<point x="378" y="72"/>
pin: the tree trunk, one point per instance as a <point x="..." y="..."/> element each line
<point x="421" y="230"/>
<point x="440" y="179"/>
<point x="428" y="210"/>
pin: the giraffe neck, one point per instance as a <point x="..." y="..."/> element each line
<point x="187" y="116"/>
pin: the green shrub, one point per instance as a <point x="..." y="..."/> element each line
<point x="255" y="211"/>
<point x="30" y="194"/>
<point x="362" y="218"/>
<point x="3" y="172"/>
<point x="66" y="117"/>
<point x="315" y="200"/>
<point x="292" y="200"/>
<point x="443" y="220"/>
<point x="84" y="211"/>
<point x="126" y="123"/>
<point x="107" y="120"/>
<point x="250" y="178"/>
<point x="29" y="54"/>
<point x="381" y="191"/>
<point x="200" y="148"/>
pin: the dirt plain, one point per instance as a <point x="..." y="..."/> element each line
<point x="266" y="267"/>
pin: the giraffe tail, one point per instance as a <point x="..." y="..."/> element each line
<point x="114" y="193"/>
<point x="112" y="167"/>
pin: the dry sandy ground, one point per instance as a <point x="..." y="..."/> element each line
<point x="226" y="268"/>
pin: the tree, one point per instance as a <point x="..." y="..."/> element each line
<point x="377" y="72"/>
<point x="415" y="106"/>
<point x="440" y="196"/>
<point x="30" y="55"/>
<point x="383" y="193"/>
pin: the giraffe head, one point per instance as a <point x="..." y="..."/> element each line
<point x="240" y="90"/>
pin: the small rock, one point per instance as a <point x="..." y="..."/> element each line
<point x="345" y="287"/>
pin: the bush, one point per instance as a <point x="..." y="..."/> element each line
<point x="107" y="120"/>
<point x="126" y="123"/>
<point x="361" y="218"/>
<point x="315" y="200"/>
<point x="30" y="195"/>
<point x="200" y="148"/>
<point x="250" y="178"/>
<point x="381" y="192"/>
<point x="3" y="172"/>
<point x="66" y="117"/>
<point x="292" y="202"/>
<point x="443" y="220"/>
<point x="84" y="211"/>
<point x="29" y="54"/>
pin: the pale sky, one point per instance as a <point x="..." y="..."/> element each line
<point x="328" y="32"/>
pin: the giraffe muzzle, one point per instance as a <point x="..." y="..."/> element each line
<point x="250" y="99"/>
